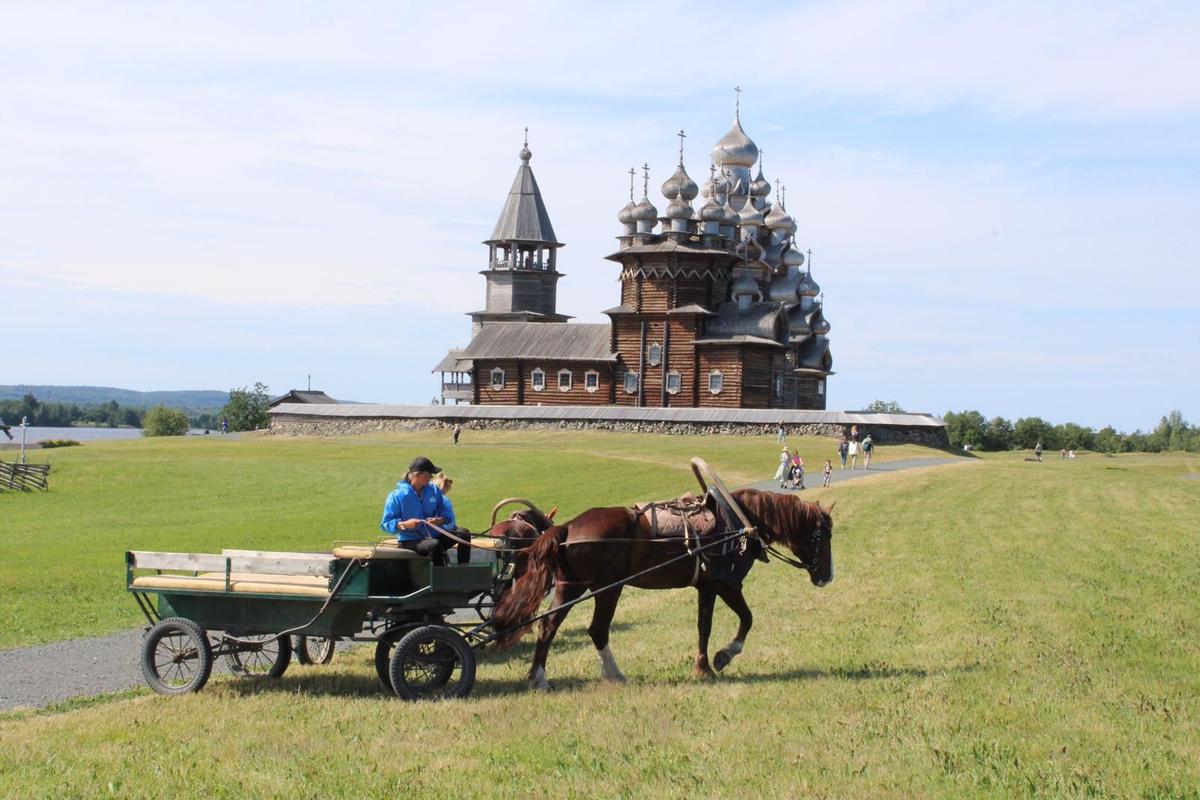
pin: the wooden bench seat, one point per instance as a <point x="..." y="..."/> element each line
<point x="244" y="582"/>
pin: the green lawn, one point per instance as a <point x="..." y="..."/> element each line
<point x="996" y="629"/>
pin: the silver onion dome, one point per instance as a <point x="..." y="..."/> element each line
<point x="625" y="215"/>
<point x="735" y="148"/>
<point x="645" y="210"/>
<point x="750" y="215"/>
<point x="744" y="285"/>
<point x="794" y="258"/>
<point x="731" y="216"/>
<point x="819" y="324"/>
<point x="679" y="209"/>
<point x="680" y="185"/>
<point x="808" y="287"/>
<point x="525" y="154"/>
<point x="777" y="218"/>
<point x="712" y="212"/>
<point x="760" y="187"/>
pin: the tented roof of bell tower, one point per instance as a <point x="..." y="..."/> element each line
<point x="524" y="218"/>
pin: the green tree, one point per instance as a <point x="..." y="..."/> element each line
<point x="1030" y="430"/>
<point x="884" y="407"/>
<point x="1074" y="437"/>
<point x="163" y="421"/>
<point x="966" y="427"/>
<point x="1108" y="440"/>
<point x="998" y="435"/>
<point x="247" y="408"/>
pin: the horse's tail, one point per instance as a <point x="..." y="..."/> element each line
<point x="521" y="601"/>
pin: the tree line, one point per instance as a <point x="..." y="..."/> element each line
<point x="971" y="428"/>
<point x="245" y="411"/>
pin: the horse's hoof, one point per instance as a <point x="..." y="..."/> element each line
<point x="539" y="686"/>
<point x="617" y="678"/>
<point x="721" y="660"/>
<point x="705" y="674"/>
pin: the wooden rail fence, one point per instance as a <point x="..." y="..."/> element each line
<point x="25" y="477"/>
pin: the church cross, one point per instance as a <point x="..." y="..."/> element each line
<point x="632" y="173"/>
<point x="646" y="181"/>
<point x="681" y="136"/>
<point x="737" y="108"/>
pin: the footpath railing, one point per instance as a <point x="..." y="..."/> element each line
<point x="24" y="477"/>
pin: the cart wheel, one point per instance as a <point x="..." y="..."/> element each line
<point x="176" y="657"/>
<point x="383" y="660"/>
<point x="484" y="605"/>
<point x="254" y="660"/>
<point x="432" y="662"/>
<point x="314" y="649"/>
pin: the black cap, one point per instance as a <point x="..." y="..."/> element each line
<point x="423" y="464"/>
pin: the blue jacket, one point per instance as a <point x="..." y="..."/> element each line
<point x="403" y="503"/>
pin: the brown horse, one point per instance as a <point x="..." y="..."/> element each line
<point x="605" y="545"/>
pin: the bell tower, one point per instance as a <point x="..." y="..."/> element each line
<point x="522" y="273"/>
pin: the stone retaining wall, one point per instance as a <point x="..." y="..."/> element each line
<point x="294" y="425"/>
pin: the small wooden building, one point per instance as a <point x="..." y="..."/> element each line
<point x="301" y="396"/>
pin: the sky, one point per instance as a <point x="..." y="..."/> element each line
<point x="1002" y="199"/>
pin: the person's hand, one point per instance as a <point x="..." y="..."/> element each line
<point x="436" y="520"/>
<point x="409" y="524"/>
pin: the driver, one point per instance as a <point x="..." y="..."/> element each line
<point x="414" y="502"/>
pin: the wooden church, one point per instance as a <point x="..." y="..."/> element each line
<point x="715" y="309"/>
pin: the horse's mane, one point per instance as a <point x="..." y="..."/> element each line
<point x="780" y="515"/>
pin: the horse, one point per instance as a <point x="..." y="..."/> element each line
<point x="602" y="546"/>
<point x="522" y="527"/>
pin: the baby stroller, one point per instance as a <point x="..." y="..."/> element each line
<point x="796" y="477"/>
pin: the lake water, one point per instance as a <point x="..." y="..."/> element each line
<point x="33" y="434"/>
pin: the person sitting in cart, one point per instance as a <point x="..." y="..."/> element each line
<point x="411" y="505"/>
<point x="443" y="482"/>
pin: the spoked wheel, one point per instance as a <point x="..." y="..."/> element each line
<point x="432" y="662"/>
<point x="260" y="656"/>
<point x="176" y="657"/>
<point x="484" y="604"/>
<point x="314" y="649"/>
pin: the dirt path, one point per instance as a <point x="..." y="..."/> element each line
<point x="40" y="676"/>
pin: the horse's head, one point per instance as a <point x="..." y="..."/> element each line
<point x="806" y="529"/>
<point x="522" y="526"/>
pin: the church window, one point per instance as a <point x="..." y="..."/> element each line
<point x="654" y="355"/>
<point x="537" y="380"/>
<point x="631" y="382"/>
<point x="591" y="380"/>
<point x="497" y="378"/>
<point x="674" y="382"/>
<point x="564" y="380"/>
<point x="820" y="387"/>
<point x="716" y="381"/>
<point x="779" y="386"/>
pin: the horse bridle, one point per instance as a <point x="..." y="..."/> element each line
<point x="815" y="542"/>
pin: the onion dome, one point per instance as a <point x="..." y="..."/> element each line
<point x="750" y="215"/>
<point x="731" y="216"/>
<point x="760" y="187"/>
<point x="680" y="185"/>
<point x="712" y="212"/>
<point x="794" y="258"/>
<point x="625" y="215"/>
<point x="680" y="209"/>
<point x="735" y="148"/>
<point x="819" y="324"/>
<point x="525" y="154"/>
<point x="808" y="287"/>
<point x="744" y="285"/>
<point x="777" y="218"/>
<point x="645" y="210"/>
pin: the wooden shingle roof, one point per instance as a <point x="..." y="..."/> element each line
<point x="551" y="341"/>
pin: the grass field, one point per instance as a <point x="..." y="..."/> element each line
<point x="998" y="629"/>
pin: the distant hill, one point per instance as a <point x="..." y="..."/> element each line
<point x="192" y="400"/>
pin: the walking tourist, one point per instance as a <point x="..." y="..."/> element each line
<point x="1037" y="450"/>
<point x="457" y="433"/>
<point x="828" y="471"/>
<point x="868" y="447"/>
<point x="853" y="454"/>
<point x="781" y="434"/>
<point x="843" y="449"/>
<point x="414" y="502"/>
<point x="785" y="461"/>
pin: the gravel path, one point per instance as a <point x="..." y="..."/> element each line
<point x="813" y="472"/>
<point x="35" y="677"/>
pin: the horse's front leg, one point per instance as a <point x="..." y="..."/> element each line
<point x="707" y="599"/>
<point x="563" y="593"/>
<point x="736" y="601"/>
